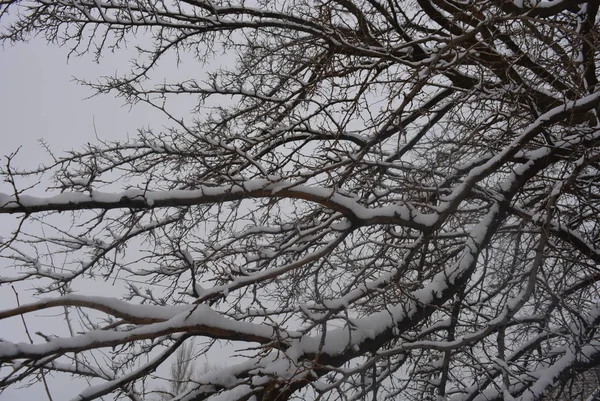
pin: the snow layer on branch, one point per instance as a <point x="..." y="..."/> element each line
<point x="234" y="378"/>
<point x="338" y="341"/>
<point x="236" y="393"/>
<point x="110" y="305"/>
<point x="537" y="3"/>
<point x="211" y="194"/>
<point x="200" y="318"/>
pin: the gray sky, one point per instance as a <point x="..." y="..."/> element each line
<point x="38" y="100"/>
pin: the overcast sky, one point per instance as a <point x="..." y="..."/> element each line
<point x="39" y="100"/>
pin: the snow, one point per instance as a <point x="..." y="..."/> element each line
<point x="337" y="341"/>
<point x="110" y="305"/>
<point x="341" y="226"/>
<point x="232" y="380"/>
<point x="548" y="377"/>
<point x="93" y="392"/>
<point x="237" y="393"/>
<point x="201" y="318"/>
<point x="537" y="3"/>
<point x="478" y="173"/>
<point x="5" y="199"/>
<point x="166" y="320"/>
<point x="545" y="376"/>
<point x="398" y="214"/>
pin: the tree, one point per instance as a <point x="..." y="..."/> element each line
<point x="376" y="200"/>
<point x="182" y="373"/>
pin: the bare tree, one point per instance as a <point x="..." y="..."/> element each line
<point x="182" y="372"/>
<point x="378" y="199"/>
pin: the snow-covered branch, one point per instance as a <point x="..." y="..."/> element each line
<point x="368" y="200"/>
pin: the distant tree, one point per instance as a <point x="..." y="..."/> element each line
<point x="182" y="372"/>
<point x="373" y="199"/>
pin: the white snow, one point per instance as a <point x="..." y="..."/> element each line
<point x="199" y="317"/>
<point x="400" y="214"/>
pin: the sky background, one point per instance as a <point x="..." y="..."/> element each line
<point x="40" y="101"/>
